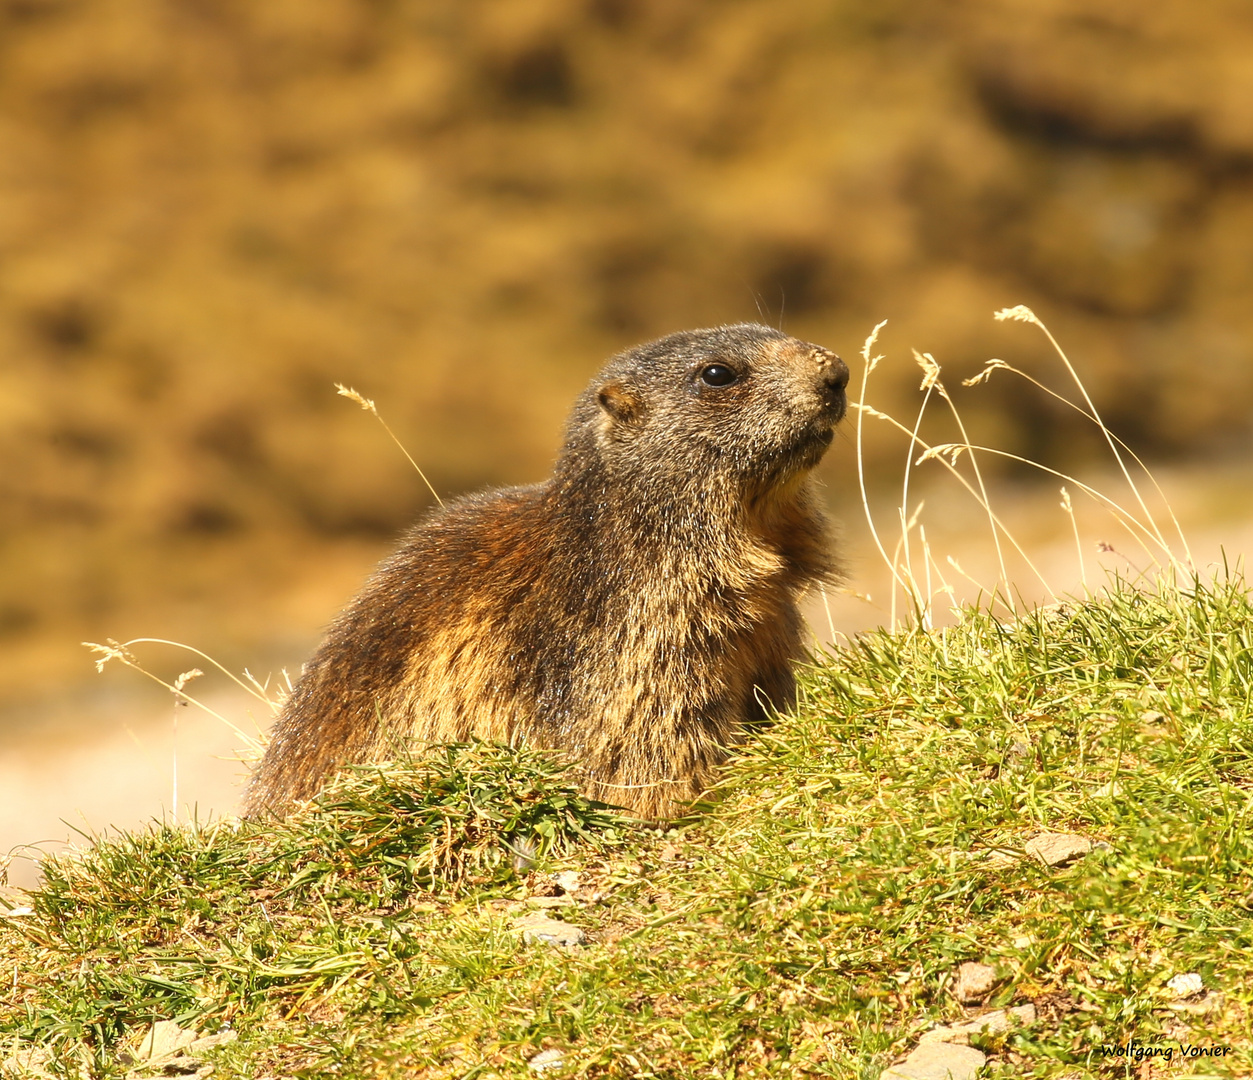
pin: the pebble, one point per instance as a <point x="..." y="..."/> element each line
<point x="992" y="1023"/>
<point x="546" y="1059"/>
<point x="538" y="927"/>
<point x="1200" y="1005"/>
<point x="33" y="1062"/>
<point x="165" y="1039"/>
<point x="998" y="859"/>
<point x="974" y="982"/>
<point x="176" y="1050"/>
<point x="1186" y="986"/>
<point x="1058" y="849"/>
<point x="937" y="1061"/>
<point x="1191" y="997"/>
<point x="568" y="880"/>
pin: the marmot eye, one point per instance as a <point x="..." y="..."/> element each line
<point x="717" y="375"/>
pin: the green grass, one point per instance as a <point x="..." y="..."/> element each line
<point x="807" y="923"/>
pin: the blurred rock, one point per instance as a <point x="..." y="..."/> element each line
<point x="937" y="1061"/>
<point x="1058" y="849"/>
<point x="546" y="1060"/>
<point x="973" y="982"/>
<point x="540" y="928"/>
<point x="1185" y="986"/>
<point x="993" y="1023"/>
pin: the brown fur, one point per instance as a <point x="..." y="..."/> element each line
<point x="637" y="611"/>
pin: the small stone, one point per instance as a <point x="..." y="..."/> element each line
<point x="546" y="1059"/>
<point x="943" y="1034"/>
<point x="1057" y="849"/>
<point x="164" y="1039"/>
<point x="1185" y="986"/>
<point x="1197" y="1006"/>
<point x="568" y="880"/>
<point x="974" y="982"/>
<point x="538" y="927"/>
<point x="167" y="1045"/>
<point x="998" y="859"/>
<point x="18" y="912"/>
<point x="992" y="1023"/>
<point x="34" y="1062"/>
<point x="937" y="1061"/>
<point x="208" y="1042"/>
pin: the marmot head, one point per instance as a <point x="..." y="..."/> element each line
<point x="744" y="403"/>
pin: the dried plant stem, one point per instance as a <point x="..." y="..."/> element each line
<point x="112" y="650"/>
<point x="928" y="386"/>
<point x="174" y="761"/>
<point x="369" y="406"/>
<point x="862" y="411"/>
<point x="945" y="587"/>
<point x="826" y="606"/>
<point x="1025" y="314"/>
<point x="1140" y="533"/>
<point x="1074" y="524"/>
<point x="983" y="491"/>
<point x="927" y="620"/>
<point x="936" y="452"/>
<point x="958" y="567"/>
<point x="1000" y="365"/>
<point x="251" y="687"/>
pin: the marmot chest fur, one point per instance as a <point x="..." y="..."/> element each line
<point x="636" y="612"/>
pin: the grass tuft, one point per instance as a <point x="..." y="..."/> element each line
<point x="463" y="813"/>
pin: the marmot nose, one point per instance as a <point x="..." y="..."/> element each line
<point x="832" y="370"/>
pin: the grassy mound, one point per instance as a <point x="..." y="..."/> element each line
<point x="809" y="923"/>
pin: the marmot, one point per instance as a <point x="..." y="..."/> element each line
<point x="636" y="612"/>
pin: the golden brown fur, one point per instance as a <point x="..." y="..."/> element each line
<point x="637" y="611"/>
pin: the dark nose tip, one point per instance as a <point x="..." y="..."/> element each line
<point x="833" y="378"/>
<point x="833" y="370"/>
<point x="837" y="373"/>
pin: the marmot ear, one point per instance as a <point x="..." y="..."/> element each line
<point x="621" y="402"/>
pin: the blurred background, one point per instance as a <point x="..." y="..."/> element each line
<point x="213" y="210"/>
